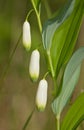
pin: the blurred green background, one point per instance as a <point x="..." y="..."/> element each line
<point x="17" y="92"/>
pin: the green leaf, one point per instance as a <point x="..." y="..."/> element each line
<point x="71" y="76"/>
<point x="60" y="34"/>
<point x="36" y="4"/>
<point x="75" y="114"/>
<point x="71" y="36"/>
<point x="52" y="25"/>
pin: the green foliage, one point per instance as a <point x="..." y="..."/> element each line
<point x="53" y="24"/>
<point x="74" y="115"/>
<point x="60" y="34"/>
<point x="71" y="35"/>
<point x="70" y="79"/>
<point x="59" y="37"/>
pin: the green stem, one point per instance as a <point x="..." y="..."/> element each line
<point x="58" y="122"/>
<point x="10" y="59"/>
<point x="29" y="13"/>
<point x="55" y="88"/>
<point x="38" y="16"/>
<point x="39" y="22"/>
<point x="50" y="62"/>
<point x="46" y="74"/>
<point x="28" y="120"/>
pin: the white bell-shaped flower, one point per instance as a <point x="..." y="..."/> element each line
<point x="26" y="35"/>
<point x="41" y="97"/>
<point x="34" y="66"/>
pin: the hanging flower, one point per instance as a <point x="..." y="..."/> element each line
<point x="34" y="65"/>
<point x="26" y="35"/>
<point x="41" y="97"/>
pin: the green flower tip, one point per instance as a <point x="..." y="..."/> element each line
<point x="34" y="78"/>
<point x="40" y="108"/>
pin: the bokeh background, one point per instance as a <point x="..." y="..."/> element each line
<point x="17" y="92"/>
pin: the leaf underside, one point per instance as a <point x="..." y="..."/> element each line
<point x="70" y="79"/>
<point x="60" y="34"/>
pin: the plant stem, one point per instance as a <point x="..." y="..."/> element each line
<point x="46" y="74"/>
<point x="29" y="13"/>
<point x="39" y="22"/>
<point x="10" y="59"/>
<point x="38" y="16"/>
<point x="55" y="88"/>
<point x="58" y="122"/>
<point x="50" y="62"/>
<point x="28" y="120"/>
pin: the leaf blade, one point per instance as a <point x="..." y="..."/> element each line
<point x="75" y="114"/>
<point x="54" y="23"/>
<point x="58" y="39"/>
<point x="71" y="36"/>
<point x="70" y="79"/>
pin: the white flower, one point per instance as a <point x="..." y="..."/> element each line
<point x="41" y="97"/>
<point x="34" y="65"/>
<point x="26" y="35"/>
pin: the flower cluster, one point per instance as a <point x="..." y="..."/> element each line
<point x="34" y="69"/>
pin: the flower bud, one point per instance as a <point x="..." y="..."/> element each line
<point x="26" y="35"/>
<point x="41" y="97"/>
<point x="34" y="66"/>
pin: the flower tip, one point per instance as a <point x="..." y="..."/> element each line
<point x="27" y="47"/>
<point x="40" y="108"/>
<point x="34" y="78"/>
